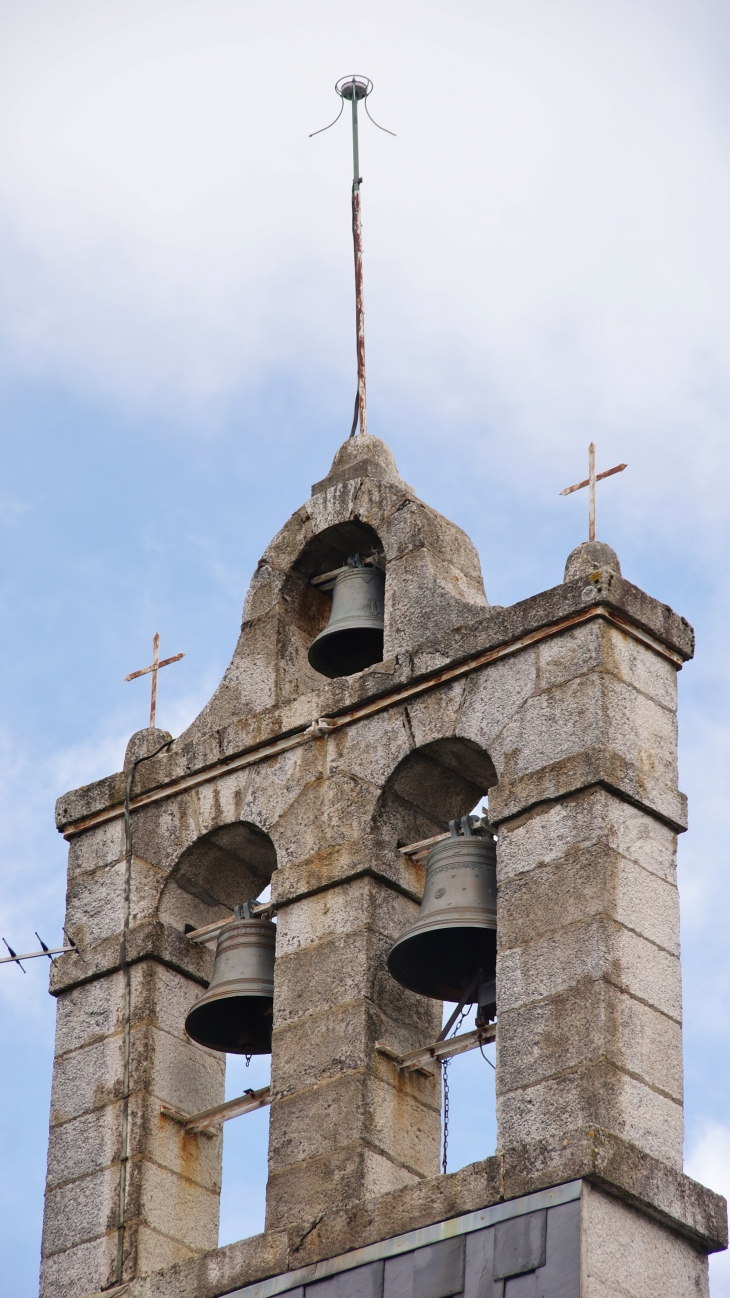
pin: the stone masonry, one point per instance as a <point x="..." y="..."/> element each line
<point x="562" y="711"/>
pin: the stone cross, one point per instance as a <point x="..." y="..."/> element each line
<point x="154" y="667"/>
<point x="590" y="482"/>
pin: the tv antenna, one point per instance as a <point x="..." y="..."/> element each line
<point x="14" y="958"/>
<point x="355" y="89"/>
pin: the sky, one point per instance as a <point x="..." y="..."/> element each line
<point x="546" y="263"/>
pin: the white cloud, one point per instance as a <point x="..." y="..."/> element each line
<point x="547" y="232"/>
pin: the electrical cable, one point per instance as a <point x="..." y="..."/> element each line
<point x="127" y="1039"/>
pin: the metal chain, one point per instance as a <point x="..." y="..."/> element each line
<point x="445" y="1071"/>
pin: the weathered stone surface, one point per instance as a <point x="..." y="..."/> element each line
<point x="305" y="1190"/>
<point x="149" y="940"/>
<point x="326" y="1045"/>
<point x="560" y="710"/>
<point x="595" y="948"/>
<point x="589" y="556"/>
<point x="593" y="880"/>
<point x="600" y="1095"/>
<point x="344" y="862"/>
<point x="392" y="1119"/>
<point x="144" y="744"/>
<point x="594" y="766"/>
<point x="625" y="1255"/>
<point x="175" y="1206"/>
<point x="79" y="1270"/>
<point x="363" y="456"/>
<point x="84" y="1145"/>
<point x="80" y="1210"/>
<point x="501" y="626"/>
<point x="594" y="815"/>
<point x="590" y="1022"/>
<point x="630" y="1176"/>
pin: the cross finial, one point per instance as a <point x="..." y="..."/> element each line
<point x="154" y="667"/>
<point x="590" y="482"/>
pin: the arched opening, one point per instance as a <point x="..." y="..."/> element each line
<point x="434" y="784"/>
<point x="222" y="869"/>
<point x="356" y="646"/>
<point x="231" y="864"/>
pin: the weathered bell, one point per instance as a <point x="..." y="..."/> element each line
<point x="235" y="1013"/>
<point x="452" y="947"/>
<point x="353" y="638"/>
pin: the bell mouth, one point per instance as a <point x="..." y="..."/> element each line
<point x="347" y="650"/>
<point x="442" y="961"/>
<point x="234" y="1025"/>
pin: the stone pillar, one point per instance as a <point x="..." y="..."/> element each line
<point x="173" y="1179"/>
<point x="588" y="974"/>
<point x="345" y="1124"/>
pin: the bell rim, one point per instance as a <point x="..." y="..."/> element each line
<point x="466" y="917"/>
<point x="352" y="623"/>
<point x="415" y="984"/>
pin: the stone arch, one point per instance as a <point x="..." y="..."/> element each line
<point x="435" y="783"/>
<point x="325" y="552"/>
<point x="431" y="565"/>
<point x="230" y="864"/>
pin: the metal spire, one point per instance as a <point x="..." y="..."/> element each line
<point x="356" y="88"/>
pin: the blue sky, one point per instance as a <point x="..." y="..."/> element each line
<point x="546" y="263"/>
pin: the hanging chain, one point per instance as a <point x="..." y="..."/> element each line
<point x="445" y="1071"/>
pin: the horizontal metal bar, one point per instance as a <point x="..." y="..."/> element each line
<point x="33" y="955"/>
<point x="209" y="933"/>
<point x="221" y="1113"/>
<point x="317" y="729"/>
<point x="154" y="668"/>
<point x="618" y="468"/>
<point x="439" y="1049"/>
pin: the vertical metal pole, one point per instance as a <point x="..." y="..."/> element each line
<point x="153" y="695"/>
<point x="592" y="492"/>
<point x="357" y="242"/>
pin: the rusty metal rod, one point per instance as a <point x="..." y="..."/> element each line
<point x="195" y="1122"/>
<point x="359" y="305"/>
<point x="419" y="1059"/>
<point x="357" y="248"/>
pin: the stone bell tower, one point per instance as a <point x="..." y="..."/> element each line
<point x="562" y="710"/>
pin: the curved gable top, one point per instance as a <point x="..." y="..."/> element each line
<point x="433" y="580"/>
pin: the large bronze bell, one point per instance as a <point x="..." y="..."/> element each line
<point x="353" y="638"/>
<point x="450" y="952"/>
<point x="235" y="1013"/>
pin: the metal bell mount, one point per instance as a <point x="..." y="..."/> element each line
<point x="235" y="1013"/>
<point x="450" y="952"/>
<point x="353" y="637"/>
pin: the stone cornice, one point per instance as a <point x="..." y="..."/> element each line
<point x="342" y="702"/>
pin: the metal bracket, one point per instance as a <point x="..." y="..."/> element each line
<point x="209" y="1118"/>
<point x="419" y="1060"/>
<point x="209" y="933"/>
